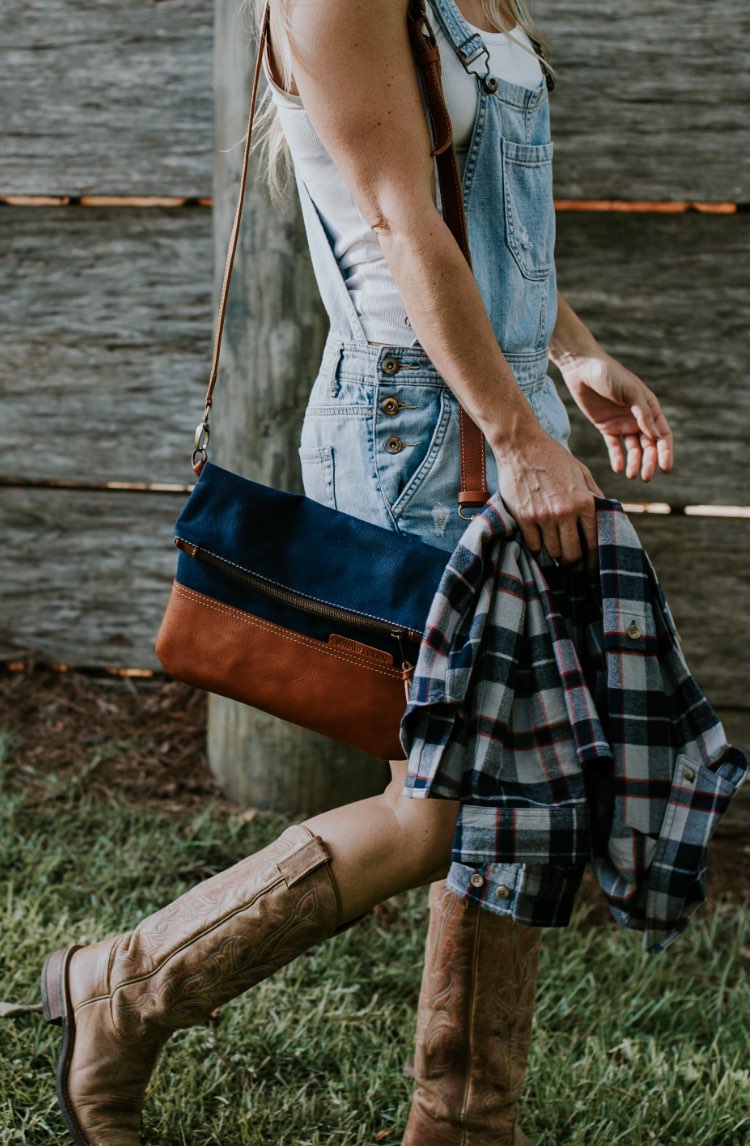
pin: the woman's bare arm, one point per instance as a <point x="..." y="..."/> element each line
<point x="353" y="67"/>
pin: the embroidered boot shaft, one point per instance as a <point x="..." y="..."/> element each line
<point x="473" y="1026"/>
<point x="119" y="1000"/>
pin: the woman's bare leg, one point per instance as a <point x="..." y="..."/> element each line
<point x="386" y="844"/>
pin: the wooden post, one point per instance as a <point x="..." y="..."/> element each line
<point x="273" y="340"/>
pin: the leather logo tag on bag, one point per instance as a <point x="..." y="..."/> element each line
<point x="347" y="645"/>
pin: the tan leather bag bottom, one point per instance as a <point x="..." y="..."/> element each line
<point x="327" y="689"/>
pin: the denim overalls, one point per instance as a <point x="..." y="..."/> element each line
<point x="380" y="434"/>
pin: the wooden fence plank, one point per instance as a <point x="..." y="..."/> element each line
<point x="667" y="296"/>
<point x="644" y="89"/>
<point x="105" y="325"/>
<point x="106" y="98"/>
<point x="85" y="576"/>
<point x="702" y="566"/>
<point x="652" y="99"/>
<point x="105" y="331"/>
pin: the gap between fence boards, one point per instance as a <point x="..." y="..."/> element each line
<point x="622" y="206"/>
<point x="656" y="508"/>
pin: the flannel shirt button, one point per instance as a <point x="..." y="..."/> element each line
<point x="477" y="880"/>
<point x="689" y="775"/>
<point x="634" y="632"/>
<point x="503" y="892"/>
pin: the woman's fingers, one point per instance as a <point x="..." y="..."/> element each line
<point x="665" y="453"/>
<point x="656" y="432"/>
<point x="552" y="535"/>
<point x="572" y="536"/>
<point x="616" y="453"/>
<point x="645" y="413"/>
<point x="664" y="444"/>
<point x="643" y="454"/>
<point x="570" y="539"/>
<point x="634" y="455"/>
<point x="650" y="459"/>
<point x="587" y="526"/>
<point x="532" y="535"/>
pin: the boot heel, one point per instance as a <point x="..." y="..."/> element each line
<point x="54" y="994"/>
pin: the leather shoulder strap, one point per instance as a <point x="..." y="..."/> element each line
<point x="473" y="490"/>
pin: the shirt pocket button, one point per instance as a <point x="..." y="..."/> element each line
<point x="634" y="632"/>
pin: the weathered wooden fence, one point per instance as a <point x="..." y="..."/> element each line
<point x="106" y="310"/>
<point x="105" y="314"/>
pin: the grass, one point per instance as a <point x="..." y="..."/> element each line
<point x="628" y="1048"/>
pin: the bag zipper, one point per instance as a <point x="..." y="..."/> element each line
<point x="299" y="600"/>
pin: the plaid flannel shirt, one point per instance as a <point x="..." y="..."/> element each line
<point x="556" y="706"/>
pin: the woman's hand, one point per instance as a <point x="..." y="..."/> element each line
<point x="624" y="410"/>
<point x="550" y="494"/>
<point x="621" y="406"/>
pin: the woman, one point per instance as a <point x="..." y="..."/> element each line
<point x="413" y="330"/>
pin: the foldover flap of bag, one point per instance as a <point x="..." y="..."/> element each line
<point x="289" y="559"/>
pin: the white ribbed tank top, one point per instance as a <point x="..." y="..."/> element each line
<point x="355" y="245"/>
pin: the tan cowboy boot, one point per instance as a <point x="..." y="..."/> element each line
<point x="119" y="1000"/>
<point x="473" y="1026"/>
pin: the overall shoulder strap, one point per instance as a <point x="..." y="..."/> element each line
<point x="473" y="490"/>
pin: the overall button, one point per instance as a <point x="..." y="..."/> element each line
<point x="391" y="365"/>
<point x="394" y="445"/>
<point x="390" y="406"/>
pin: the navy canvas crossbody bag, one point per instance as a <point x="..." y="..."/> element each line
<point x="285" y="604"/>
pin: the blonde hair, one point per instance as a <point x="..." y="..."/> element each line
<point x="270" y="141"/>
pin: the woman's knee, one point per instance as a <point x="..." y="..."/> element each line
<point x="423" y="829"/>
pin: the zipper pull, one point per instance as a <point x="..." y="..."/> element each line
<point x="407" y="673"/>
<point x="187" y="546"/>
<point x="407" y="668"/>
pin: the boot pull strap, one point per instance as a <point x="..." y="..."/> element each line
<point x="473" y="470"/>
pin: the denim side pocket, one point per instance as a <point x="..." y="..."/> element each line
<point x="318" y="475"/>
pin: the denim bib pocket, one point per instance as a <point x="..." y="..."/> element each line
<point x="529" y="207"/>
